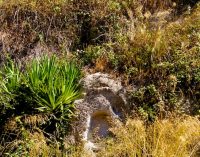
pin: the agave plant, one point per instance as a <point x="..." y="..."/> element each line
<point x="54" y="84"/>
<point x="10" y="76"/>
<point x="10" y="79"/>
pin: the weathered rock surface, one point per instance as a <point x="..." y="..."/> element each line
<point x="103" y="104"/>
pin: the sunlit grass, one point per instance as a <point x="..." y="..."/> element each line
<point x="175" y="137"/>
<point x="178" y="137"/>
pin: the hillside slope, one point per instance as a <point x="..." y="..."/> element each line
<point x="153" y="46"/>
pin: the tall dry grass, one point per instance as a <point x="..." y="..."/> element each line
<point x="174" y="137"/>
<point x="178" y="137"/>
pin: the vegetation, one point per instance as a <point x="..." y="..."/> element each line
<point x="175" y="137"/>
<point x="152" y="45"/>
<point x="164" y="138"/>
<point x="42" y="95"/>
<point x="53" y="84"/>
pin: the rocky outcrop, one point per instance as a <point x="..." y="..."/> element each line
<point x="103" y="104"/>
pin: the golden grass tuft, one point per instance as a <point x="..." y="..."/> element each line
<point x="179" y="137"/>
<point x="174" y="137"/>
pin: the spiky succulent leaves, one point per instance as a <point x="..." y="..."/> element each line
<point x="54" y="84"/>
<point x="10" y="77"/>
<point x="10" y="80"/>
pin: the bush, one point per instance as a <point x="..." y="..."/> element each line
<point x="10" y="77"/>
<point x="45" y="89"/>
<point x="147" y="100"/>
<point x="54" y="84"/>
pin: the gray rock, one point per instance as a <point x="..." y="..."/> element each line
<point x="104" y="103"/>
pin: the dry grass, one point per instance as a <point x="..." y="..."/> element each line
<point x="131" y="46"/>
<point x="66" y="24"/>
<point x="175" y="137"/>
<point x="179" y="137"/>
<point x="145" y="49"/>
<point x="32" y="144"/>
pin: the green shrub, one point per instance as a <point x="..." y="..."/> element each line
<point x="46" y="87"/>
<point x="54" y="84"/>
<point x="10" y="78"/>
<point x="148" y="102"/>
